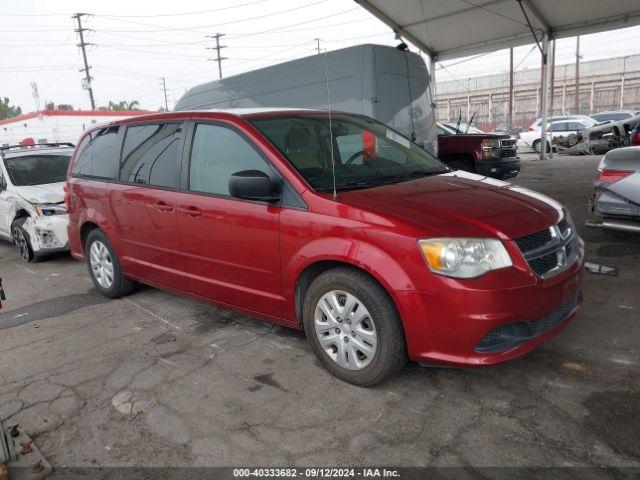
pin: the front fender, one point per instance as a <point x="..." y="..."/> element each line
<point x="366" y="256"/>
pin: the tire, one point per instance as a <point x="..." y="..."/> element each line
<point x="536" y="146"/>
<point x="380" y="327"/>
<point x="22" y="241"/>
<point x="104" y="266"/>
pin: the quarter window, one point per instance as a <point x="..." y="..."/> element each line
<point x="150" y="153"/>
<point x="217" y="153"/>
<point x="98" y="154"/>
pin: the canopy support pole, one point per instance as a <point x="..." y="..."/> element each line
<point x="545" y="96"/>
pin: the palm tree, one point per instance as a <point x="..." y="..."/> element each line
<point x="124" y="105"/>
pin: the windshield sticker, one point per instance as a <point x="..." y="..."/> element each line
<point x="391" y="135"/>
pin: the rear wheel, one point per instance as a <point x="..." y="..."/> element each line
<point x="537" y="146"/>
<point x="104" y="267"/>
<point x="22" y="240"/>
<point x="353" y="327"/>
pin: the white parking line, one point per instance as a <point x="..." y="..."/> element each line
<point x="158" y="317"/>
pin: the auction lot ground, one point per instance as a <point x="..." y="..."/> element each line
<point x="158" y="379"/>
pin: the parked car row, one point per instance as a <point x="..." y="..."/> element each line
<point x="595" y="134"/>
<point x="332" y="223"/>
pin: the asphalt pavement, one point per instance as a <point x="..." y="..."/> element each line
<point x="159" y="379"/>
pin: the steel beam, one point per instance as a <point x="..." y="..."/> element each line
<point x="545" y="97"/>
<point x="397" y="28"/>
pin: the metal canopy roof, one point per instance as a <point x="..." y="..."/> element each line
<point x="457" y="28"/>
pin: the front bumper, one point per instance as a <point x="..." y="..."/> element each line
<point x="451" y="326"/>
<point x="501" y="168"/>
<point x="48" y="234"/>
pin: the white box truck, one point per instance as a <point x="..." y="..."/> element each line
<point x="387" y="83"/>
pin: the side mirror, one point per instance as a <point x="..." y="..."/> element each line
<point x="254" y="185"/>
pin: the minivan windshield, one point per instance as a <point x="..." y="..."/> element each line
<point x="37" y="169"/>
<point x="366" y="153"/>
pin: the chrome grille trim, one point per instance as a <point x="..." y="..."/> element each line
<point x="563" y="243"/>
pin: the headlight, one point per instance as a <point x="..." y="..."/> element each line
<point x="48" y="209"/>
<point x="464" y="257"/>
<point x="491" y="142"/>
<point x="490" y="147"/>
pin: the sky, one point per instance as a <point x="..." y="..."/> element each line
<point x="135" y="43"/>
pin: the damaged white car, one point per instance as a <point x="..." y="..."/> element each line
<point x="33" y="214"/>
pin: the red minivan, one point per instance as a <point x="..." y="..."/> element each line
<point x="328" y="222"/>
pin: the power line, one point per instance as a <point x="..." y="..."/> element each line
<point x="82" y="45"/>
<point x="199" y="27"/>
<point x="185" y="13"/>
<point x="161" y="30"/>
<point x="294" y="24"/>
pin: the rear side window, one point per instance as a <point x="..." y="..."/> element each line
<point x="150" y="154"/>
<point x="98" y="154"/>
<point x="216" y="153"/>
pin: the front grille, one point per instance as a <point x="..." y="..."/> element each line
<point x="513" y="334"/>
<point x="550" y="251"/>
<point x="544" y="264"/>
<point x="533" y="241"/>
<point x="507" y="152"/>
<point x="508" y="142"/>
<point x="563" y="226"/>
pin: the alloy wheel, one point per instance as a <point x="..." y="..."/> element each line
<point x="101" y="264"/>
<point x="345" y="329"/>
<point x="21" y="243"/>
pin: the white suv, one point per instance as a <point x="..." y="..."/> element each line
<point x="537" y="125"/>
<point x="562" y="128"/>
<point x="33" y="214"/>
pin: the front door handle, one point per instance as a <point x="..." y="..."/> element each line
<point x="191" y="210"/>
<point x="163" y="206"/>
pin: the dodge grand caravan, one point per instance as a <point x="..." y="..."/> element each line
<point x="335" y="224"/>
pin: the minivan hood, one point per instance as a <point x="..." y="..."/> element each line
<point x="48" y="193"/>
<point x="460" y="204"/>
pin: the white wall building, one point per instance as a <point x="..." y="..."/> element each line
<point x="57" y="125"/>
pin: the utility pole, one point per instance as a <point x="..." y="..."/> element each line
<point x="164" y="89"/>
<point x="510" y="114"/>
<point x="577" y="105"/>
<point x="217" y="49"/>
<point x="83" y="44"/>
<point x="553" y="78"/>
<point x="318" y="44"/>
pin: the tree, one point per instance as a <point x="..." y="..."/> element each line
<point x="8" y="111"/>
<point x="124" y="105"/>
<point x="49" y="106"/>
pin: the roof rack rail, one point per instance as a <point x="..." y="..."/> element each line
<point x="48" y="144"/>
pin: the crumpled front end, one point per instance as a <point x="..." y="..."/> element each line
<point x="47" y="234"/>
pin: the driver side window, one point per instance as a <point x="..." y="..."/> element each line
<point x="216" y="153"/>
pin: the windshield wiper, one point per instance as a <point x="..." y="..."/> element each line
<point x="353" y="185"/>
<point x="410" y="175"/>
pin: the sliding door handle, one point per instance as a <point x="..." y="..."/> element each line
<point x="191" y="211"/>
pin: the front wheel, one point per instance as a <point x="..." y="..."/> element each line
<point x="22" y="241"/>
<point x="353" y="327"/>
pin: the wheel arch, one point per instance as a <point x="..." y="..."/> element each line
<point x="86" y="228"/>
<point x="366" y="258"/>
